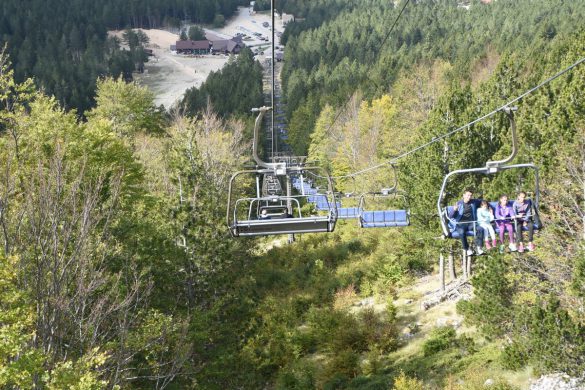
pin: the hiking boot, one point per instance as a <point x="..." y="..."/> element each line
<point x="530" y="247"/>
<point x="512" y="247"/>
<point x="521" y="248"/>
<point x="479" y="251"/>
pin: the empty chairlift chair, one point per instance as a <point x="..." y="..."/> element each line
<point x="383" y="218"/>
<point x="346" y="211"/>
<point x="278" y="222"/>
<point x="276" y="214"/>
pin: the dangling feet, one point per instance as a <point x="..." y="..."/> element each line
<point x="521" y="248"/>
<point x="512" y="247"/>
<point x="502" y="248"/>
<point x="487" y="245"/>
<point x="469" y="252"/>
<point x="531" y="247"/>
<point x="494" y="244"/>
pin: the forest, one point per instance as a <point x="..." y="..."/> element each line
<point x="233" y="90"/>
<point x="64" y="44"/>
<point x="117" y="270"/>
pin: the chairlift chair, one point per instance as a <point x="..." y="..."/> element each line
<point x="346" y="211"/>
<point x="448" y="225"/>
<point x="242" y="216"/>
<point x="384" y="217"/>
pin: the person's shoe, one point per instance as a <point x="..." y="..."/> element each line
<point x="487" y="245"/>
<point x="502" y="248"/>
<point x="512" y="247"/>
<point x="480" y="251"/>
<point x="530" y="247"/>
<point x="521" y="248"/>
<point x="469" y="252"/>
<point x="494" y="243"/>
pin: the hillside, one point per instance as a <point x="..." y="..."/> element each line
<point x="117" y="270"/>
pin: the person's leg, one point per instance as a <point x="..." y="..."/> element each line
<point x="492" y="233"/>
<point x="486" y="235"/>
<point x="530" y="226"/>
<point x="478" y="237"/>
<point x="519" y="231"/>
<point x="462" y="231"/>
<point x="510" y="229"/>
<point x="501" y="228"/>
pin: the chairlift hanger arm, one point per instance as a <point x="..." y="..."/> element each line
<point x="494" y="165"/>
<point x="261" y="163"/>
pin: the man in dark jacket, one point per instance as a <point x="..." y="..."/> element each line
<point x="465" y="216"/>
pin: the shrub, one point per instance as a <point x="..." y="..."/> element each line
<point x="344" y="297"/>
<point x="440" y="340"/>
<point x="341" y="366"/>
<point x="405" y="383"/>
<point x="300" y="376"/>
<point x="379" y="334"/>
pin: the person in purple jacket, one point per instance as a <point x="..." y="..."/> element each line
<point x="523" y="210"/>
<point x="504" y="220"/>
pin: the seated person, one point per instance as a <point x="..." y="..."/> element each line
<point x="264" y="214"/>
<point x="465" y="216"/>
<point x="523" y="210"/>
<point x="504" y="220"/>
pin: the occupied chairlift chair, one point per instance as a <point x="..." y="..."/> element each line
<point x="384" y="218"/>
<point x="449" y="225"/>
<point x="290" y="223"/>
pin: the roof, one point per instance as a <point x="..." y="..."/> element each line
<point x="220" y="45"/>
<point x="225" y="45"/>
<point x="193" y="45"/>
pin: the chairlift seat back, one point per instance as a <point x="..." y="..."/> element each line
<point x="385" y="218"/>
<point x="348" y="212"/>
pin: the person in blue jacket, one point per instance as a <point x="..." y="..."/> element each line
<point x="465" y="216"/>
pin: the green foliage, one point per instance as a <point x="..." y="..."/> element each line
<point x="403" y="382"/>
<point x="491" y="308"/>
<point x="439" y="340"/>
<point x="65" y="47"/>
<point x="127" y="107"/>
<point x="196" y="33"/>
<point x="340" y="368"/>
<point x="218" y="20"/>
<point x="234" y="89"/>
<point x="579" y="274"/>
<point x="301" y="376"/>
<point x="548" y="338"/>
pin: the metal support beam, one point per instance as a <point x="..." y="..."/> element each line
<point x="442" y="272"/>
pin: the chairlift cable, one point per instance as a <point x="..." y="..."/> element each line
<point x="274" y="146"/>
<point x="450" y="133"/>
